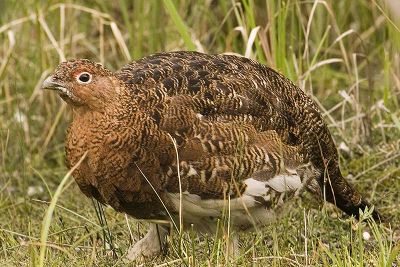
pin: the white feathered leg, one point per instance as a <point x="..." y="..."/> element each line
<point x="152" y="244"/>
<point x="232" y="246"/>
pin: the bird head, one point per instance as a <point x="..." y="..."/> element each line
<point x="83" y="84"/>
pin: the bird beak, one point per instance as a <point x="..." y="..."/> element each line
<point x="50" y="84"/>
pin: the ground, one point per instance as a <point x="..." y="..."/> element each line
<point x="344" y="54"/>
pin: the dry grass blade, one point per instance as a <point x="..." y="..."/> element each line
<point x="3" y="66"/>
<point x="37" y="90"/>
<point x="180" y="185"/>
<point x="85" y="9"/>
<point x="71" y="212"/>
<point x="319" y="64"/>
<point x="308" y="29"/>
<point x="120" y="40"/>
<point x="170" y="263"/>
<point x="250" y="41"/>
<point x="377" y="165"/>
<point x="17" y="22"/>
<point x="351" y="69"/>
<point x="162" y="202"/>
<point x="290" y="261"/>
<point x="51" y="38"/>
<point x="386" y="16"/>
<point x="54" y="125"/>
<point x="49" y="213"/>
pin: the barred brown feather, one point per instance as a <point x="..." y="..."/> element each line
<point x="242" y="131"/>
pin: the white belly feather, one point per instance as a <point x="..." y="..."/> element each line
<point x="252" y="209"/>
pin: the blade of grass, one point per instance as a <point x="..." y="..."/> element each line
<point x="6" y="59"/>
<point x="49" y="213"/>
<point x="179" y="24"/>
<point x="107" y="236"/>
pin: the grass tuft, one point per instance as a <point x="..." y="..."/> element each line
<point x="49" y="213"/>
<point x="344" y="54"/>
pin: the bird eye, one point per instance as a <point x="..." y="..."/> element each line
<point x="84" y="77"/>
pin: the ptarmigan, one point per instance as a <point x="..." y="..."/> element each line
<point x="244" y="136"/>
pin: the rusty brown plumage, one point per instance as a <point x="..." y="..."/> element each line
<point x="232" y="119"/>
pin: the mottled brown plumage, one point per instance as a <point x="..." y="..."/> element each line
<point x="242" y="131"/>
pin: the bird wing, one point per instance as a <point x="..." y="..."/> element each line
<point x="229" y="116"/>
<point x="241" y="93"/>
<point x="221" y="88"/>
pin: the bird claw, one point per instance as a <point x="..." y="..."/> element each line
<point x="151" y="245"/>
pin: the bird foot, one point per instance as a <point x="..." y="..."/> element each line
<point x="151" y="245"/>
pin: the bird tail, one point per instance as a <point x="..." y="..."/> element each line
<point x="340" y="193"/>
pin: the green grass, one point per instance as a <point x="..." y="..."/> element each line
<point x="345" y="54"/>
